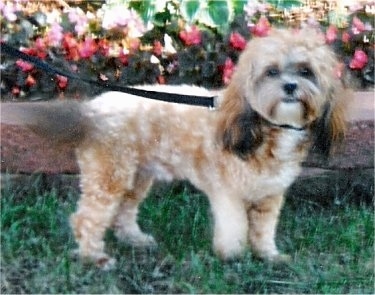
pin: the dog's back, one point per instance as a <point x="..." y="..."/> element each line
<point x="69" y="121"/>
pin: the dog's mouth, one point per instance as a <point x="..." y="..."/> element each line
<point x="290" y="100"/>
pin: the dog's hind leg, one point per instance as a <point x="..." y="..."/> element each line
<point x="102" y="192"/>
<point x="125" y="223"/>
<point x="263" y="218"/>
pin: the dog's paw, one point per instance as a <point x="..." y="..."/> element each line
<point x="275" y="258"/>
<point x="279" y="258"/>
<point x="146" y="241"/>
<point x="102" y="261"/>
<point x="105" y="263"/>
<point x="137" y="239"/>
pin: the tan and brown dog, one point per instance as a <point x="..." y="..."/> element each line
<point x="283" y="98"/>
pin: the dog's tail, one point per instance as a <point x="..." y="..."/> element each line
<point x="59" y="121"/>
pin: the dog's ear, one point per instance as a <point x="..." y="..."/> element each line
<point x="240" y="127"/>
<point x="331" y="126"/>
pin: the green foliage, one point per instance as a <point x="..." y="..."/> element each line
<point x="104" y="48"/>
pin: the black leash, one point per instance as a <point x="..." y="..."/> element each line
<point x="205" y="101"/>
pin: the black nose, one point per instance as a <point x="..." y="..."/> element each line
<point x="289" y="88"/>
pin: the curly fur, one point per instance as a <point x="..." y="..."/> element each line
<point x="283" y="99"/>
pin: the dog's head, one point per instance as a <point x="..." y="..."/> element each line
<point x="288" y="79"/>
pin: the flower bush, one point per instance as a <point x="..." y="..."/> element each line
<point x="125" y="42"/>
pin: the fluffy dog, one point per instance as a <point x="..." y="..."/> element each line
<point x="283" y="99"/>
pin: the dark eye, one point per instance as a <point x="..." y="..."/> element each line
<point x="273" y="72"/>
<point x="306" y="72"/>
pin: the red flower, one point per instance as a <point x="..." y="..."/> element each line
<point x="191" y="36"/>
<point x="228" y="70"/>
<point x="345" y="37"/>
<point x="331" y="34"/>
<point x="41" y="48"/>
<point x="123" y="57"/>
<point x="161" y="79"/>
<point x="30" y="81"/>
<point x="261" y="28"/>
<point x="25" y="66"/>
<point x="158" y="48"/>
<point x="103" y="47"/>
<point x="62" y="82"/>
<point x="359" y="60"/>
<point x="30" y="51"/>
<point x="70" y="45"/>
<point x="237" y="41"/>
<point x="16" y="91"/>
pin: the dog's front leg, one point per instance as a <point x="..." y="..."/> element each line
<point x="94" y="215"/>
<point x="263" y="218"/>
<point x="230" y="225"/>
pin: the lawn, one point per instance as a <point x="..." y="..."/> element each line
<point x="331" y="247"/>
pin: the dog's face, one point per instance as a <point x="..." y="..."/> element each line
<point x="289" y="76"/>
<point x="288" y="79"/>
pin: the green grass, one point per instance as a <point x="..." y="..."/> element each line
<point x="331" y="247"/>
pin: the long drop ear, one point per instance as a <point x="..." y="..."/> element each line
<point x="330" y="128"/>
<point x="239" y="128"/>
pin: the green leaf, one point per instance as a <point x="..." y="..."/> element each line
<point x="238" y="6"/>
<point x="285" y="4"/>
<point x="145" y="8"/>
<point x="189" y="9"/>
<point x="219" y="12"/>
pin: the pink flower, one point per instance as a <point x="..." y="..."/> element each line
<point x="191" y="36"/>
<point x="237" y="41"/>
<point x="40" y="44"/>
<point x="55" y="35"/>
<point x="359" y="60"/>
<point x="77" y="16"/>
<point x="228" y="70"/>
<point x="261" y="28"/>
<point x="254" y="6"/>
<point x="87" y="48"/>
<point x="331" y="34"/>
<point x="355" y="7"/>
<point x="345" y="37"/>
<point x="357" y="26"/>
<point x="8" y="10"/>
<point x="117" y="17"/>
<point x="25" y="66"/>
